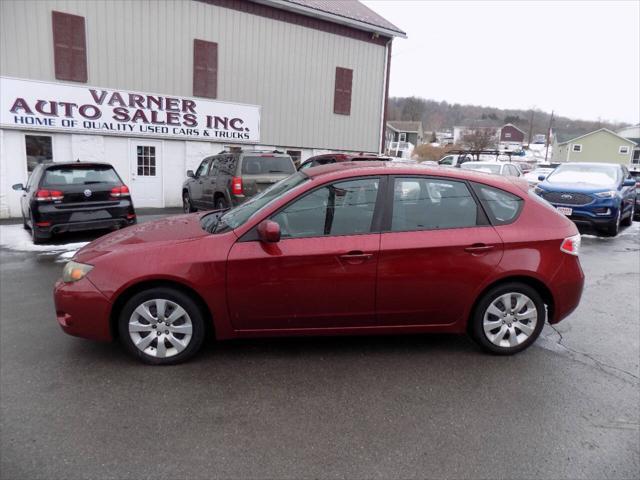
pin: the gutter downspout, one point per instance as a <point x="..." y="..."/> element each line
<point x="385" y="97"/>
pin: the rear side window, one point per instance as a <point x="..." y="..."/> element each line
<point x="502" y="207"/>
<point x="266" y="165"/>
<point x="431" y="204"/>
<point x="61" y="176"/>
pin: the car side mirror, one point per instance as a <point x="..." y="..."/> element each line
<point x="628" y="182"/>
<point x="190" y="174"/>
<point x="19" y="186"/>
<point x="541" y="177"/>
<point x="269" y="231"/>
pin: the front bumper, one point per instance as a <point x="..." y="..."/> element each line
<point x="82" y="311"/>
<point x="598" y="214"/>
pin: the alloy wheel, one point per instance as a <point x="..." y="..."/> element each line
<point x="160" y="328"/>
<point x="510" y="319"/>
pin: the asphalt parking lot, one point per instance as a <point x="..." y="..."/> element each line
<point x="365" y="407"/>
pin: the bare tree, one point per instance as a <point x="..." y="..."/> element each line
<point x="479" y="138"/>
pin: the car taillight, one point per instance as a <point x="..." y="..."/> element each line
<point x="571" y="245"/>
<point x="236" y="185"/>
<point x="48" y="195"/>
<point x="122" y="191"/>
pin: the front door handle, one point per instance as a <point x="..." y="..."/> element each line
<point x="479" y="248"/>
<point x="356" y="256"/>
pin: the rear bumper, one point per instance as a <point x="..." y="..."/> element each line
<point x="566" y="288"/>
<point x="57" y="218"/>
<point x="82" y="311"/>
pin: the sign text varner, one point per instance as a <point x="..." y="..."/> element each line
<point x="80" y="109"/>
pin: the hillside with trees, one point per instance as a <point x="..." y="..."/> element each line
<point x="438" y="116"/>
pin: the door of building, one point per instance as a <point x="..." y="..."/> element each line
<point x="145" y="162"/>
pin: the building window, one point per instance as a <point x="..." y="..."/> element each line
<point x="205" y="69"/>
<point x="576" y="147"/>
<point x="39" y="150"/>
<point x="624" y="150"/>
<point x="403" y="137"/>
<point x="342" y="92"/>
<point x="295" y="155"/>
<point x="146" y="161"/>
<point x="507" y="135"/>
<point x="636" y="156"/>
<point x="69" y="47"/>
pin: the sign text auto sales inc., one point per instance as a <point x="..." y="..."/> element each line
<point x="78" y="109"/>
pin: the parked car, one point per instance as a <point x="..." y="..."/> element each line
<point x="327" y="158"/>
<point x="533" y="177"/>
<point x="497" y="168"/>
<point x="351" y="248"/>
<point x="74" y="196"/>
<point x="636" y="175"/>
<point x="230" y="178"/>
<point x="455" y="160"/>
<point x="598" y="195"/>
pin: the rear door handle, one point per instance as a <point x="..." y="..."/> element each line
<point x="479" y="248"/>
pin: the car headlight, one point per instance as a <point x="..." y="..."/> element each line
<point x="609" y="194"/>
<point x="74" y="271"/>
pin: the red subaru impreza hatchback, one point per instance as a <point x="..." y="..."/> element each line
<point x="350" y="248"/>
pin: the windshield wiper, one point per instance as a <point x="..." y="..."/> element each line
<point x="277" y="171"/>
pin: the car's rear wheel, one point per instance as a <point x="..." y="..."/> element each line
<point x="161" y="326"/>
<point x="629" y="220"/>
<point x="221" y="204"/>
<point x="508" y="318"/>
<point x="37" y="237"/>
<point x="187" y="206"/>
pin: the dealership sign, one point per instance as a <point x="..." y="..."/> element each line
<point x="32" y="105"/>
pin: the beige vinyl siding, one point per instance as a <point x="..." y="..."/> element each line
<point x="147" y="45"/>
<point x="600" y="146"/>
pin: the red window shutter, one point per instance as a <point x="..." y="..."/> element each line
<point x="69" y="47"/>
<point x="342" y="93"/>
<point x="205" y="69"/>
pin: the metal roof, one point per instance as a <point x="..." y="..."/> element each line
<point x="347" y="12"/>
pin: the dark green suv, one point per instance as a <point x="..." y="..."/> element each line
<point x="229" y="178"/>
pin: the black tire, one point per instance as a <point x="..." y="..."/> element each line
<point x="221" y="204"/>
<point x="37" y="237"/>
<point x="476" y="326"/>
<point x="25" y="225"/>
<point x="613" y="228"/>
<point x="187" y="206"/>
<point x="629" y="220"/>
<point x="179" y="298"/>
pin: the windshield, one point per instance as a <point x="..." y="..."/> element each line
<point x="235" y="217"/>
<point x="263" y="165"/>
<point x="598" y="175"/>
<point x="481" y="167"/>
<point x="80" y="175"/>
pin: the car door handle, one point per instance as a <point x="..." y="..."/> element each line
<point x="479" y="248"/>
<point x="355" y="256"/>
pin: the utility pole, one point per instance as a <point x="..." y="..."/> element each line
<point x="530" y="129"/>
<point x="546" y="153"/>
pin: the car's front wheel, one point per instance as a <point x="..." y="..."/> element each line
<point x="162" y="326"/>
<point x="187" y="206"/>
<point x="614" y="227"/>
<point x="508" y="318"/>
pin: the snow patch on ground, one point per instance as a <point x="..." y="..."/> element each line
<point x="15" y="237"/>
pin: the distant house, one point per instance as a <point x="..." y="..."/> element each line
<point x="633" y="134"/>
<point x="599" y="146"/>
<point x="511" y="138"/>
<point x="460" y="131"/>
<point x="403" y="131"/>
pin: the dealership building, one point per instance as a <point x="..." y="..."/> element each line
<point x="154" y="87"/>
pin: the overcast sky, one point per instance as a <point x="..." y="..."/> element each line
<point x="581" y="59"/>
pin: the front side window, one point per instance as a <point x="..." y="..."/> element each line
<point x="446" y="161"/>
<point x="503" y="207"/>
<point x="343" y="208"/>
<point x="431" y="204"/>
<point x="203" y="169"/>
